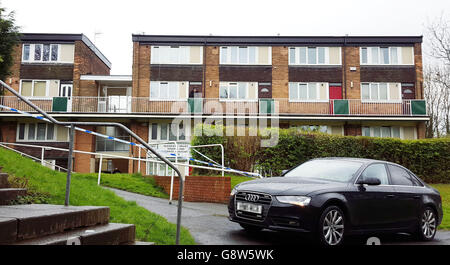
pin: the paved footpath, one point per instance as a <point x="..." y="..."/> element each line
<point x="209" y="225"/>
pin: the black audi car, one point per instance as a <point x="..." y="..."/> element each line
<point x="335" y="197"/>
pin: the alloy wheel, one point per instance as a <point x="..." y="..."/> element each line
<point x="333" y="227"/>
<point x="428" y="223"/>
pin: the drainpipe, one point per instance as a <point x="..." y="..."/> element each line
<point x="344" y="96"/>
<point x="204" y="68"/>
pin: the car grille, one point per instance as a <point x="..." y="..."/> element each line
<point x="257" y="198"/>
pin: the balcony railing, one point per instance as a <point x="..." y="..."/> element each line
<point x="209" y="106"/>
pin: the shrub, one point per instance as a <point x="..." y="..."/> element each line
<point x="428" y="158"/>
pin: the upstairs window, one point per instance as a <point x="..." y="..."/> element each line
<point x="44" y="53"/>
<point x="381" y="92"/>
<point x="39" y="88"/>
<point x="314" y="56"/>
<point x="238" y="90"/>
<point x="176" y="55"/>
<point x="170" y="90"/>
<point x="245" y="55"/>
<point x="299" y="91"/>
<point x="386" y="56"/>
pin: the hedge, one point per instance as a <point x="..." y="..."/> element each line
<point x="428" y="158"/>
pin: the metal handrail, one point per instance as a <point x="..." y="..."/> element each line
<point x="123" y="127"/>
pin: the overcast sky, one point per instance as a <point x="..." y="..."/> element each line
<point x="115" y="21"/>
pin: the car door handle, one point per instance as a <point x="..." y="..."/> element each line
<point x="390" y="196"/>
<point x="416" y="197"/>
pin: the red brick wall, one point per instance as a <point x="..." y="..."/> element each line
<point x="86" y="62"/>
<point x="199" y="188"/>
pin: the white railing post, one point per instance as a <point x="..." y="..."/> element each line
<point x="139" y="161"/>
<point x="42" y="156"/>
<point x="100" y="164"/>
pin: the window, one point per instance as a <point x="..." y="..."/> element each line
<point x="237" y="90"/>
<point x="41" y="53"/>
<point x="176" y="55"/>
<point x="311" y="128"/>
<point x="384" y="131"/>
<point x="36" y="132"/>
<point x="314" y="56"/>
<point x="400" y="176"/>
<point x="39" y="88"/>
<point x="168" y="90"/>
<point x="107" y="145"/>
<point x="377" y="171"/>
<point x="386" y="55"/>
<point x="308" y="91"/>
<point x="380" y="92"/>
<point x="246" y="55"/>
<point x="168" y="132"/>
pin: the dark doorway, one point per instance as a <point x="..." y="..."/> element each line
<point x="195" y="89"/>
<point x="265" y="90"/>
<point x="408" y="93"/>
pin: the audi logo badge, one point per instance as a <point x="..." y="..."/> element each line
<point x="252" y="197"/>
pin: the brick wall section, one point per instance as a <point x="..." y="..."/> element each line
<point x="141" y="129"/>
<point x="83" y="142"/>
<point x="211" y="72"/>
<point x="15" y="70"/>
<point x="141" y="70"/>
<point x="199" y="188"/>
<point x="419" y="70"/>
<point x="8" y="131"/>
<point x="86" y="62"/>
<point x="351" y="60"/>
<point x="280" y="72"/>
<point x="352" y="130"/>
<point x="421" y="130"/>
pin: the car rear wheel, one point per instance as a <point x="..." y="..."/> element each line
<point x="251" y="228"/>
<point x="427" y="224"/>
<point x="331" y="226"/>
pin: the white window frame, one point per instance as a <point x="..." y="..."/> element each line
<point x="388" y="100"/>
<point x="47" y="88"/>
<point x="27" y="124"/>
<point x="372" y="128"/>
<point x="246" y="99"/>
<point x="307" y="92"/>
<point x="169" y="98"/>
<point x="168" y="123"/>
<point x="399" y="55"/>
<point x="228" y="59"/>
<point x="186" y="52"/>
<point x="31" y="55"/>
<point x="327" y="55"/>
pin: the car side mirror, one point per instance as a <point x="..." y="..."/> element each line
<point x="284" y="172"/>
<point x="370" y="181"/>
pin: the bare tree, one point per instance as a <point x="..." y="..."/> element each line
<point x="437" y="78"/>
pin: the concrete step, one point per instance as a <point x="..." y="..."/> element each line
<point x="37" y="220"/>
<point x="10" y="194"/>
<point x="4" y="180"/>
<point x="107" y="234"/>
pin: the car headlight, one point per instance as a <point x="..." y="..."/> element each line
<point x="233" y="191"/>
<point x="296" y="200"/>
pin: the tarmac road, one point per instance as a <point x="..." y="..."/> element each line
<point x="209" y="225"/>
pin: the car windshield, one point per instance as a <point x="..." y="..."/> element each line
<point x="334" y="170"/>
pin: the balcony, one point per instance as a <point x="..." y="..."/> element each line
<point x="209" y="106"/>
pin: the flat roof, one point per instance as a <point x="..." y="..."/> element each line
<point x="64" y="38"/>
<point x="275" y="40"/>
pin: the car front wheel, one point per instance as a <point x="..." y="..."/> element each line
<point x="331" y="226"/>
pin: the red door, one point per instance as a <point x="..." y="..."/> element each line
<point x="335" y="92"/>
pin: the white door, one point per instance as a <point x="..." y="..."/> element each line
<point x="65" y="90"/>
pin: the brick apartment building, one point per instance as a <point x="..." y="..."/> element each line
<point x="369" y="86"/>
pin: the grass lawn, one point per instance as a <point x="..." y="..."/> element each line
<point x="132" y="183"/>
<point x="84" y="191"/>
